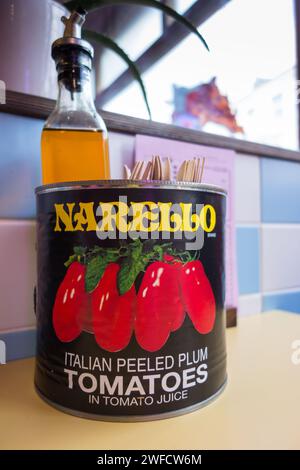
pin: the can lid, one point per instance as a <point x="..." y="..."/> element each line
<point x="121" y="183"/>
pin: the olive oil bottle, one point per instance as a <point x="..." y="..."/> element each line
<point x="74" y="144"/>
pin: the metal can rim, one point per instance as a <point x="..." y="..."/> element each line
<point x="121" y="183"/>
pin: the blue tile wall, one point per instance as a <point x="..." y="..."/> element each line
<point x="19" y="344"/>
<point x="248" y="257"/>
<point x="289" y="301"/>
<point x="19" y="165"/>
<point x="280" y="191"/>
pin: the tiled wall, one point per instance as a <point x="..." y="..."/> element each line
<point x="268" y="234"/>
<point x="267" y="218"/>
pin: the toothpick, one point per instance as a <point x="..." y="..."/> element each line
<point x="202" y="170"/>
<point x="147" y="172"/>
<point x="152" y="169"/>
<point x="167" y="169"/>
<point x="197" y="172"/>
<point x="141" y="171"/>
<point x="160" y="168"/>
<point x="181" y="171"/>
<point x="127" y="172"/>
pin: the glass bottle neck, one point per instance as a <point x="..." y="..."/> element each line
<point x="75" y="91"/>
<point x="75" y="108"/>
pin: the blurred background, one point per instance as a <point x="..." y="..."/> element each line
<point x="251" y="65"/>
<point x="252" y="59"/>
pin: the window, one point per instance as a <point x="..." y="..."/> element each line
<point x="253" y="60"/>
<point x="135" y="22"/>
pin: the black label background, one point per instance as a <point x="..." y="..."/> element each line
<point x="54" y="248"/>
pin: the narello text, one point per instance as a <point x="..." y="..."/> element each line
<point x="139" y="217"/>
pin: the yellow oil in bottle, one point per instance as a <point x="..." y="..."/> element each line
<point x="73" y="155"/>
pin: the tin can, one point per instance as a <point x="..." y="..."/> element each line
<point x="130" y="298"/>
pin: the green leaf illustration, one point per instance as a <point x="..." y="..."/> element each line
<point x="94" y="271"/>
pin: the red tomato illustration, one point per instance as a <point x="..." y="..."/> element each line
<point x="159" y="307"/>
<point x="176" y="265"/>
<point x="113" y="314"/>
<point x="198" y="297"/>
<point x="71" y="304"/>
<point x="86" y="317"/>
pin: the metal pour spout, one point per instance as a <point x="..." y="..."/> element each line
<point x="74" y="23"/>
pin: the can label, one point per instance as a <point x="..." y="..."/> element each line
<point x="130" y="299"/>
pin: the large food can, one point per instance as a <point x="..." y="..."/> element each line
<point x="130" y="298"/>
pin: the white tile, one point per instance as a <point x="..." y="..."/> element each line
<point x="17" y="273"/>
<point x="121" y="152"/>
<point x="280" y="256"/>
<point x="249" y="304"/>
<point x="247" y="189"/>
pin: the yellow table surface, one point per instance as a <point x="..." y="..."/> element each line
<point x="260" y="407"/>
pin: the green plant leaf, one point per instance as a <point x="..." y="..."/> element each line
<point x="71" y="260"/>
<point x="128" y="273"/>
<point x="131" y="266"/>
<point x="110" y="44"/>
<point x="126" y="276"/>
<point x="79" y="250"/>
<point x="94" y="4"/>
<point x="94" y="271"/>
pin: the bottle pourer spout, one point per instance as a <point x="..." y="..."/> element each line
<point x="71" y="47"/>
<point x="74" y="23"/>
